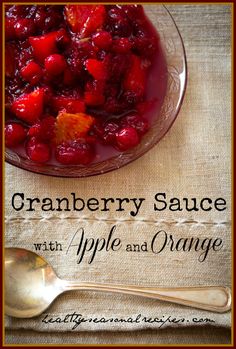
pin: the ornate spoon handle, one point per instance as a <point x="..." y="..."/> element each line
<point x="212" y="298"/>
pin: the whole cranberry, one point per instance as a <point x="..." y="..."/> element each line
<point x="74" y="153"/>
<point x="55" y="64"/>
<point x="24" y="28"/>
<point x="15" y="134"/>
<point x="137" y="122"/>
<point x="102" y="40"/>
<point x="37" y="151"/>
<point x="109" y="132"/>
<point x="127" y="138"/>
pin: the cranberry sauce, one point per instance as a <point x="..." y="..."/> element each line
<point x="83" y="82"/>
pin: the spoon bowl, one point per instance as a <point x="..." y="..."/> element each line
<point x="31" y="285"/>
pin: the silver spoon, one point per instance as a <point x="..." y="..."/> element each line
<point x="31" y="285"/>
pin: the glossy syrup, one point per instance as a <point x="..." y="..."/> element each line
<point x="154" y="96"/>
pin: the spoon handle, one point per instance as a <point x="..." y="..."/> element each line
<point x="212" y="298"/>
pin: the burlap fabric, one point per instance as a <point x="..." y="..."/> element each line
<point x="193" y="160"/>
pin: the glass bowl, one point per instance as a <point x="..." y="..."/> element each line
<point x="173" y="49"/>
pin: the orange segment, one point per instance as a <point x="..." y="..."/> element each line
<point x="72" y="126"/>
<point x="85" y="19"/>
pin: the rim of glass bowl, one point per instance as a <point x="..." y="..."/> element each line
<point x="115" y="162"/>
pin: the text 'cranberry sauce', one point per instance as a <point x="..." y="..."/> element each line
<point x="83" y="82"/>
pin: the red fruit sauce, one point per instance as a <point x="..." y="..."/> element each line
<point x="83" y="82"/>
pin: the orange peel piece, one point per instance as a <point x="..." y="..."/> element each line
<point x="70" y="127"/>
